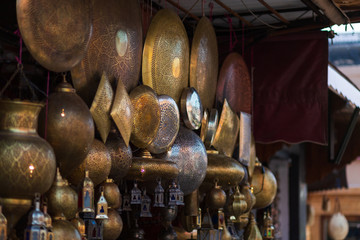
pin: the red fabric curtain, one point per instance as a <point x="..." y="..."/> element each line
<point x="290" y="88"/>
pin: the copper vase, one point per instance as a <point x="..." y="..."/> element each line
<point x="27" y="162"/>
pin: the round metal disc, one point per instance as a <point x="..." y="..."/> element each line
<point x="169" y="125"/>
<point x="166" y="55"/>
<point x="115" y="47"/>
<point x="235" y="84"/>
<point x="191" y="108"/>
<point x="146" y="117"/>
<point x="56" y="33"/>
<point x="204" y="62"/>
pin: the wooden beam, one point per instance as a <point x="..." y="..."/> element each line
<point x="183" y="10"/>
<point x="233" y="12"/>
<point x="284" y="20"/>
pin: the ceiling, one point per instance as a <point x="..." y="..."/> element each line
<point x="273" y="15"/>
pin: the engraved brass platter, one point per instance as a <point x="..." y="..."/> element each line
<point x="227" y="131"/>
<point x="165" y="65"/>
<point x="169" y="125"/>
<point x="204" y="62"/>
<point x="191" y="108"/>
<point x="234" y="84"/>
<point x="209" y="126"/>
<point x="56" y="33"/>
<point x="115" y="47"/>
<point x="146" y="116"/>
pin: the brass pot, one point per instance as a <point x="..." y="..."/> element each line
<point x="249" y="197"/>
<point x="112" y="226"/>
<point x="265" y="186"/>
<point x="64" y="229"/>
<point x="27" y="162"/>
<point x="98" y="162"/>
<point x="111" y="194"/>
<point x="70" y="127"/>
<point x="189" y="154"/>
<point x="121" y="157"/>
<point x="62" y="199"/>
<point x="216" y="198"/>
<point x="226" y="170"/>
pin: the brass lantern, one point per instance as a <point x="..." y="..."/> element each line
<point x="172" y="194"/>
<point x="135" y="195"/>
<point x="268" y="228"/>
<point x="48" y="224"/>
<point x="102" y="207"/>
<point x="87" y="194"/>
<point x="36" y="229"/>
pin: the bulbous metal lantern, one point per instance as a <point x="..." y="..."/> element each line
<point x="69" y="127"/>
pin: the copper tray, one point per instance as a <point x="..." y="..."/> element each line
<point x="165" y="66"/>
<point x="115" y="47"/>
<point x="56" y="33"/>
<point x="204" y="62"/>
<point x="234" y="84"/>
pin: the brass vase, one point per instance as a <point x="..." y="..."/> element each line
<point x="112" y="226"/>
<point x="27" y="162"/>
<point x="64" y="229"/>
<point x="97" y="162"/>
<point x="62" y="199"/>
<point x="69" y="128"/>
<point x="265" y="186"/>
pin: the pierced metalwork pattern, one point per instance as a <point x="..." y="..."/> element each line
<point x="115" y="47"/>
<point x="169" y="125"/>
<point x="56" y="33"/>
<point x="189" y="154"/>
<point x="166" y="55"/>
<point x="204" y="62"/>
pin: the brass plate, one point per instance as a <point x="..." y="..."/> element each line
<point x="204" y="123"/>
<point x="234" y="84"/>
<point x="204" y="62"/>
<point x="146" y="120"/>
<point x="115" y="47"/>
<point x="226" y="170"/>
<point x="227" y="131"/>
<point x="122" y="112"/>
<point x="191" y="108"/>
<point x="56" y="33"/>
<point x="169" y="125"/>
<point x="165" y="65"/>
<point x="208" y="131"/>
<point x="245" y="138"/>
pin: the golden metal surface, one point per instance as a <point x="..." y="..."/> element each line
<point x="14" y="209"/>
<point x="97" y="162"/>
<point x="252" y="231"/>
<point x="56" y="33"/>
<point x="146" y="120"/>
<point x="265" y="186"/>
<point x="204" y="123"/>
<point x="234" y="84"/>
<point x="122" y="112"/>
<point x="204" y="62"/>
<point x="191" y="108"/>
<point x="63" y="229"/>
<point x="245" y="138"/>
<point x="192" y="204"/>
<point x="121" y="157"/>
<point x="70" y="127"/>
<point x="227" y="131"/>
<point x="253" y="158"/>
<point x="249" y="197"/>
<point x="226" y="170"/>
<point x="79" y="224"/>
<point x="165" y="66"/>
<point x="27" y="161"/>
<point x="101" y="106"/>
<point x="115" y="47"/>
<point x="62" y="199"/>
<point x="111" y="193"/>
<point x="169" y="125"/>
<point x="150" y="169"/>
<point x="208" y="127"/>
<point x="189" y="154"/>
<point x="112" y="226"/>
<point x="216" y="198"/>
